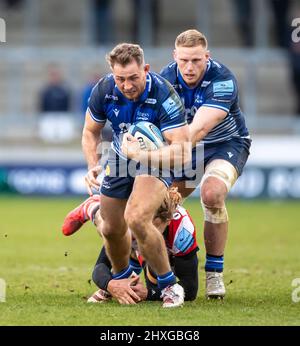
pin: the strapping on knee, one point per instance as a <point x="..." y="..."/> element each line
<point x="215" y="215"/>
<point x="222" y="170"/>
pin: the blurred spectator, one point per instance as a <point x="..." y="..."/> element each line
<point x="138" y="13"/>
<point x="86" y="92"/>
<point x="57" y="124"/>
<point x="56" y="96"/>
<point x="13" y="3"/>
<point x="281" y="10"/>
<point x="243" y="12"/>
<point x="102" y="20"/>
<point x="283" y="36"/>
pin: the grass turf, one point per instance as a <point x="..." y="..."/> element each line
<point x="48" y="275"/>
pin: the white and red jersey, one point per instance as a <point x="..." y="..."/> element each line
<point x="180" y="235"/>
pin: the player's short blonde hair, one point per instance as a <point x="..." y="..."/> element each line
<point x="191" y="38"/>
<point x="169" y="205"/>
<point x="124" y="54"/>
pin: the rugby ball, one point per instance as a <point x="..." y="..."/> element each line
<point x="147" y="134"/>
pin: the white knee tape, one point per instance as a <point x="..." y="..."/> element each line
<point x="215" y="215"/>
<point x="222" y="170"/>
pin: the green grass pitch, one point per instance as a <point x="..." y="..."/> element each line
<point x="48" y="276"/>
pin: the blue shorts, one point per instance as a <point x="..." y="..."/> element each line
<point x="120" y="174"/>
<point x="235" y="151"/>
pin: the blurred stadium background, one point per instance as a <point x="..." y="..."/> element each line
<point x="48" y="276"/>
<point x="40" y="153"/>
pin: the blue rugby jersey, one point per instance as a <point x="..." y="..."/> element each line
<point x="217" y="89"/>
<point x="158" y="104"/>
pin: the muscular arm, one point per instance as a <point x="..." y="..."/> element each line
<point x="205" y="119"/>
<point x="91" y="138"/>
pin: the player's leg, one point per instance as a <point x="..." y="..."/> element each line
<point x="79" y="215"/>
<point x="219" y="177"/>
<point x="146" y="197"/>
<point x="186" y="270"/>
<point x="116" y="237"/>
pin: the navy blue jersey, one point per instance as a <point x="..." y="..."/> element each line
<point x="217" y="89"/>
<point x="159" y="104"/>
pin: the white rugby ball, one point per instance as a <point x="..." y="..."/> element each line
<point x="148" y="135"/>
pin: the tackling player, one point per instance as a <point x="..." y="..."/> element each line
<point x="210" y="94"/>
<point x="177" y="227"/>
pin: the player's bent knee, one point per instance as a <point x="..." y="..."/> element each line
<point x="221" y="170"/>
<point x="215" y="215"/>
<point x="212" y="196"/>
<point x="139" y="226"/>
<point x="109" y="231"/>
<point x="136" y="219"/>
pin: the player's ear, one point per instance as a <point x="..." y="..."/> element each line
<point x="174" y="54"/>
<point x="207" y="54"/>
<point x="147" y="68"/>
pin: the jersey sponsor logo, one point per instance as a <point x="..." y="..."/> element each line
<point x="198" y="99"/>
<point x="116" y="111"/>
<point x="223" y="87"/>
<point x="170" y="106"/>
<point x="184" y="240"/>
<point x="142" y="116"/>
<point x="229" y="153"/>
<point x="176" y="216"/>
<point x="124" y="127"/>
<point x="111" y="97"/>
<point x="106" y="184"/>
<point x="107" y="170"/>
<point x="151" y="101"/>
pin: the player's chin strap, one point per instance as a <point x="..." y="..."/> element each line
<point x="224" y="171"/>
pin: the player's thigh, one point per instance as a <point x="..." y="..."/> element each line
<point x="112" y="212"/>
<point x="146" y="197"/>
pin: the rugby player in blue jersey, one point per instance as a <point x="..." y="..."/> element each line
<point x="210" y="94"/>
<point x="129" y="94"/>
